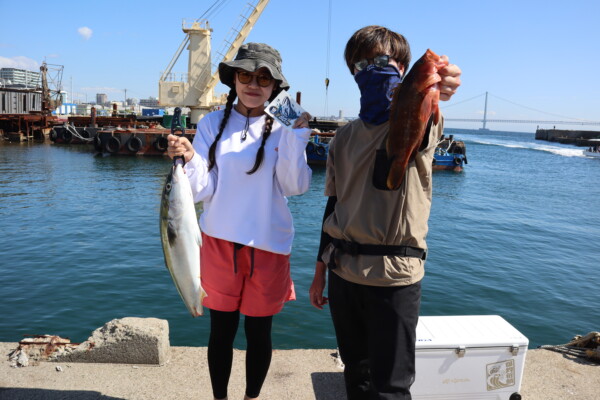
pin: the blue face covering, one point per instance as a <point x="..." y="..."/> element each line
<point x="376" y="86"/>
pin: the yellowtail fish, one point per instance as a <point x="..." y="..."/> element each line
<point x="181" y="239"/>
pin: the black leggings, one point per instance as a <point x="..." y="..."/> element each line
<point x="223" y="327"/>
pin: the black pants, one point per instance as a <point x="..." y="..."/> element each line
<point x="223" y="327"/>
<point x="376" y="333"/>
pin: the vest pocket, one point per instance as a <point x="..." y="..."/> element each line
<point x="381" y="170"/>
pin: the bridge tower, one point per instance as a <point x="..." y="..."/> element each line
<point x="485" y="112"/>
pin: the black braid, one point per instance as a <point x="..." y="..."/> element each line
<point x="213" y="147"/>
<point x="261" y="151"/>
<point x="268" y="127"/>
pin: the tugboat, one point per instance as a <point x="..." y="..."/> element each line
<point x="317" y="148"/>
<point x="450" y="154"/>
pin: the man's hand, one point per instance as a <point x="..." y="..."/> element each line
<point x="450" y="80"/>
<point x="318" y="286"/>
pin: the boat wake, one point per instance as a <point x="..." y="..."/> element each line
<point x="554" y="149"/>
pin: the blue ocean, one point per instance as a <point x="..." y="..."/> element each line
<point x="515" y="234"/>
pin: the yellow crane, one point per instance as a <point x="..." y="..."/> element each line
<point x="197" y="92"/>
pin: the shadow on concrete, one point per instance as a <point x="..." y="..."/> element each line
<point x="46" y="394"/>
<point x="328" y="385"/>
<point x="581" y="359"/>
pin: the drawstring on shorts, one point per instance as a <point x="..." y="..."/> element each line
<point x="239" y="246"/>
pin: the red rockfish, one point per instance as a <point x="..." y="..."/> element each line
<point x="415" y="100"/>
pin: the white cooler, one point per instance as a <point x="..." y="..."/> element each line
<point x="468" y="357"/>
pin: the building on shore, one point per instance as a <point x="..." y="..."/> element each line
<point x="20" y="78"/>
<point x="149" y="102"/>
<point x="101" y="99"/>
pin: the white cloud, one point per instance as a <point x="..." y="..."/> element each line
<point x="20" y="62"/>
<point x="85" y="32"/>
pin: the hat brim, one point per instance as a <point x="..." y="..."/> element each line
<point x="227" y="70"/>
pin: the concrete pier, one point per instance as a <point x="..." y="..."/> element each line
<point x="294" y="375"/>
<point x="576" y="137"/>
<point x="130" y="358"/>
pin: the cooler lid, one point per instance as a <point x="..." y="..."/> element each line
<point x="468" y="331"/>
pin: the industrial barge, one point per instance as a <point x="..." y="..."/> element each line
<point x="131" y="135"/>
<point x="26" y="110"/>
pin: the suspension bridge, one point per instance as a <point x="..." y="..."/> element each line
<point x="486" y="120"/>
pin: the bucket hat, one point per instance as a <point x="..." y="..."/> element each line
<point x="250" y="57"/>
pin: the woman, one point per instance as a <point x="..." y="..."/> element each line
<point x="242" y="164"/>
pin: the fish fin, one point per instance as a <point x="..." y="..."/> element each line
<point x="427" y="106"/>
<point x="431" y="55"/>
<point x="203" y="294"/>
<point x="395" y="176"/>
<point x="198" y="237"/>
<point x="171" y="233"/>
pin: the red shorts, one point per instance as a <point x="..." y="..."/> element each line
<point x="254" y="281"/>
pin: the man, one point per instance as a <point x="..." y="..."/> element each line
<point x="373" y="238"/>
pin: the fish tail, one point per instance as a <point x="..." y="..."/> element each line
<point x="202" y="296"/>
<point x="396" y="175"/>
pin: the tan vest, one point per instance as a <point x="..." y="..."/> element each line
<point x="366" y="214"/>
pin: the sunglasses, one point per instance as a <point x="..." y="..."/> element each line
<point x="262" y="80"/>
<point x="379" y="61"/>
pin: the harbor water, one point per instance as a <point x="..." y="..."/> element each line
<point x="515" y="234"/>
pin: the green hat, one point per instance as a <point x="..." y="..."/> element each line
<point x="251" y="57"/>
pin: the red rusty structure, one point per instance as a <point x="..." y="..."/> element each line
<point x="23" y="127"/>
<point x="26" y="114"/>
<point x="128" y="134"/>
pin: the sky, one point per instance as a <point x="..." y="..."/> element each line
<point x="536" y="59"/>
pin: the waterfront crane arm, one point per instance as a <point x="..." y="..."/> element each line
<point x="196" y="92"/>
<point x="167" y="71"/>
<point x="186" y="41"/>
<point x="242" y="34"/>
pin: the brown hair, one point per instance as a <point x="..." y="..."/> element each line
<point x="372" y="40"/>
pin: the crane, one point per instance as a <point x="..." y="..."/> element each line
<point x="197" y="92"/>
<point x="51" y="97"/>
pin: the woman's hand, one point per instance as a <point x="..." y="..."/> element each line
<point x="318" y="286"/>
<point x="180" y="146"/>
<point x="450" y="80"/>
<point x="302" y="122"/>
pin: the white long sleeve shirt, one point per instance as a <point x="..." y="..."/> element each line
<point x="242" y="208"/>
